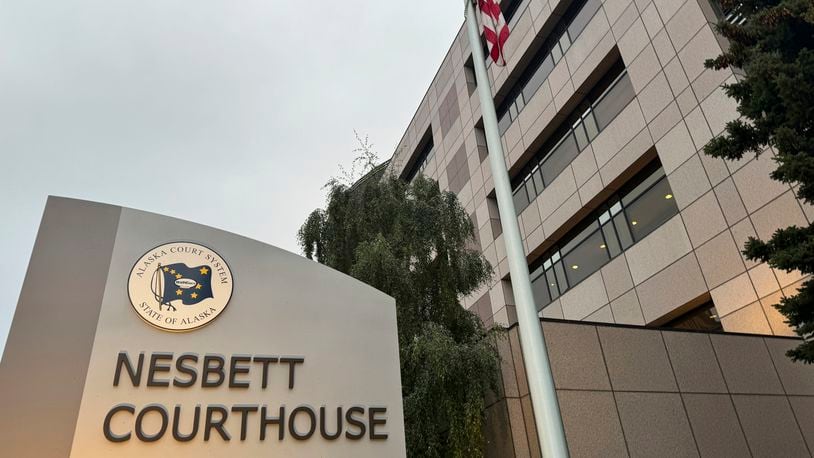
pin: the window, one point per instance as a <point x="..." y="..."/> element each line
<point x="602" y="104"/>
<point x="509" y="8"/>
<point x="732" y="14"/>
<point x="639" y="208"/>
<point x="570" y="26"/>
<point x="612" y="102"/>
<point x="422" y="158"/>
<point x="586" y="256"/>
<point x="469" y="73"/>
<point x="558" y="159"/>
<point x="650" y="210"/>
<point x="702" y="318"/>
<point x="581" y="19"/>
<point x="548" y="280"/>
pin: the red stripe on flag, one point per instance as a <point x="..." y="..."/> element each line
<point x="495" y="30"/>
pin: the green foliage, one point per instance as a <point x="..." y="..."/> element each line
<point x="775" y="49"/>
<point x="410" y="241"/>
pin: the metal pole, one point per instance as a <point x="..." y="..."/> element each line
<point x="547" y="418"/>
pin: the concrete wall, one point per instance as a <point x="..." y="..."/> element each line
<point x="627" y="391"/>
<point x="679" y="107"/>
<point x="45" y="362"/>
<point x="75" y="316"/>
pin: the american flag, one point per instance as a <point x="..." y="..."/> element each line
<point x="495" y="29"/>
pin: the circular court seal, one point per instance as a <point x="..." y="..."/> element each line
<point x="180" y="286"/>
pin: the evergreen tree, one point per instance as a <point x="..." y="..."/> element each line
<point x="410" y="240"/>
<point x="772" y="41"/>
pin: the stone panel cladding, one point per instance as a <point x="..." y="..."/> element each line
<point x="679" y="106"/>
<point x="628" y="391"/>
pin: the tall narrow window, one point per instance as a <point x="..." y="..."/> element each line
<point x="509" y="8"/>
<point x="424" y="153"/>
<point x="469" y="73"/>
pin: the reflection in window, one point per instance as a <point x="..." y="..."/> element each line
<point x="638" y="209"/>
<point x="651" y="209"/>
<point x="586" y="257"/>
<point x="539" y="288"/>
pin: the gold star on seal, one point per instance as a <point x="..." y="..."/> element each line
<point x="166" y="269"/>
<point x="193" y="295"/>
<point x="177" y="275"/>
<point x="179" y="292"/>
<point x="172" y="271"/>
<point x="204" y="271"/>
<point x="198" y="286"/>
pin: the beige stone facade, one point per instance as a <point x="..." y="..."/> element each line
<point x="631" y="391"/>
<point x="676" y="106"/>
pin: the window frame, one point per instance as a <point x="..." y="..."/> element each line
<point x="610" y="219"/>
<point x="575" y="127"/>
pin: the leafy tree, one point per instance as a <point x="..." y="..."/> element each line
<point x="410" y="240"/>
<point x="773" y="43"/>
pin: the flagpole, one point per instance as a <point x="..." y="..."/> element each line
<point x="550" y="431"/>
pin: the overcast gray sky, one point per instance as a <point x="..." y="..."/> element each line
<point x="117" y="101"/>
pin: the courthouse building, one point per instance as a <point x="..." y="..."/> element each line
<point x="604" y="107"/>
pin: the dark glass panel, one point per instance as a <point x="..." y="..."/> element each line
<point x="559" y="158"/>
<point x="622" y="230"/>
<point x="540" y="290"/>
<point x="632" y="193"/>
<point x="611" y="240"/>
<point x="504" y="123"/>
<point x="556" y="53"/>
<point x="538" y="78"/>
<point x="609" y="231"/>
<point x="532" y="193"/>
<point x="537" y="177"/>
<point x="509" y="8"/>
<point x="590" y="126"/>
<point x="430" y="155"/>
<point x="651" y="209"/>
<point x="613" y="102"/>
<point x="702" y="318"/>
<point x="583" y="18"/>
<point x="551" y="280"/>
<point x="581" y="136"/>
<point x="572" y="22"/>
<point x="536" y="272"/>
<point x="577" y="239"/>
<point x="586" y="258"/>
<point x="565" y="42"/>
<point x="562" y="282"/>
<point x="521" y="199"/>
<point x="422" y="158"/>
